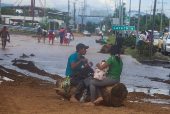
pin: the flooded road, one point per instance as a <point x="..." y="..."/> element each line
<point x="53" y="60"/>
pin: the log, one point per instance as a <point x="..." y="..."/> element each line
<point x="112" y="95"/>
<point x="106" y="48"/>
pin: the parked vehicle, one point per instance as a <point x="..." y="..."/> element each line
<point x="160" y="42"/>
<point x="165" y="48"/>
<point x="86" y="33"/>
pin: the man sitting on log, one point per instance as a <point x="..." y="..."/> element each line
<point x="75" y="62"/>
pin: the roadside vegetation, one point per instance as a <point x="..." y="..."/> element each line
<point x="141" y="54"/>
<point x="21" y="31"/>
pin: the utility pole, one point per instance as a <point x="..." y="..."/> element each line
<point x="123" y="33"/>
<point x="0" y="13"/>
<point x="68" y="7"/>
<point x="138" y="21"/>
<point x="82" y="16"/>
<point x="146" y="20"/>
<point x="44" y="7"/>
<point x="161" y="17"/>
<point x="129" y="18"/>
<point x="24" y="17"/>
<point x="119" y="12"/>
<point x="115" y="10"/>
<point x="74" y="15"/>
<point x="33" y="13"/>
<point x="153" y="24"/>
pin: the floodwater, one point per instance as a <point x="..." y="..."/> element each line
<point x="53" y="59"/>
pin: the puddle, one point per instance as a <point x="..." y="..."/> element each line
<point x="150" y="91"/>
<point x="160" y="101"/>
<point x="163" y="63"/>
<point x="4" y="70"/>
<point x="166" y="107"/>
<point x="5" y="78"/>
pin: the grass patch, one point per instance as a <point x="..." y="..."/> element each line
<point x="112" y="39"/>
<point x="135" y="54"/>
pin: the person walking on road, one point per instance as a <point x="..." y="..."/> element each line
<point x="68" y="37"/>
<point x="51" y="36"/>
<point x="3" y="34"/>
<point x="44" y="35"/>
<point x="62" y="33"/>
<point x="39" y="32"/>
<point x="119" y="41"/>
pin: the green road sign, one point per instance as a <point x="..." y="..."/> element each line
<point x="126" y="17"/>
<point x="132" y="28"/>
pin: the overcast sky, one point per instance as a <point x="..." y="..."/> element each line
<point x="104" y="5"/>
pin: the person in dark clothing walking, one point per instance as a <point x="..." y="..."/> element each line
<point x="119" y="41"/>
<point x="62" y="33"/>
<point x="39" y="33"/>
<point x="3" y="34"/>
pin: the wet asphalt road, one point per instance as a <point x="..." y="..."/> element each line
<point x="53" y="59"/>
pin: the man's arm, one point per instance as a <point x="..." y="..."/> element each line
<point x="74" y="65"/>
<point x="72" y="35"/>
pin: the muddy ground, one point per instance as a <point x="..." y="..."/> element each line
<point x="28" y="95"/>
<point x="23" y="94"/>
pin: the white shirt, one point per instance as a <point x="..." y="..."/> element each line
<point x="68" y="36"/>
<point x="146" y="34"/>
<point x="142" y="37"/>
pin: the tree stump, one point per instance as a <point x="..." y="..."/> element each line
<point x="106" y="48"/>
<point x="112" y="95"/>
<point x="98" y="41"/>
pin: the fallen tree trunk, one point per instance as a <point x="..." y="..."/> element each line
<point x="112" y="95"/>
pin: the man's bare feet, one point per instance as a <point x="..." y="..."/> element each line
<point x="73" y="99"/>
<point x="98" y="100"/>
<point x="89" y="104"/>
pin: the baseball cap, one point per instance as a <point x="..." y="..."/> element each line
<point x="81" y="46"/>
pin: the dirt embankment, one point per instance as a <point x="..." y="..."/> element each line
<point x="28" y="95"/>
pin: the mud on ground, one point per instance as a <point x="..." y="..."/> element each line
<point x="28" y="95"/>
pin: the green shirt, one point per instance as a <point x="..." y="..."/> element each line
<point x="115" y="69"/>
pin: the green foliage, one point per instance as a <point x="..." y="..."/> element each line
<point x="130" y="41"/>
<point x="112" y="39"/>
<point x="16" y="13"/>
<point x="165" y="21"/>
<point x="144" y="49"/>
<point x="28" y="25"/>
<point x="90" y="26"/>
<point x="6" y="11"/>
<point x="26" y="13"/>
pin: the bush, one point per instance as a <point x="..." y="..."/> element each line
<point x="144" y="49"/>
<point x="130" y="41"/>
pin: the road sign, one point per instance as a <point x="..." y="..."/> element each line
<point x="132" y="28"/>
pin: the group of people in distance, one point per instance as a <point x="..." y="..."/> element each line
<point x="77" y="60"/>
<point x="64" y="34"/>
